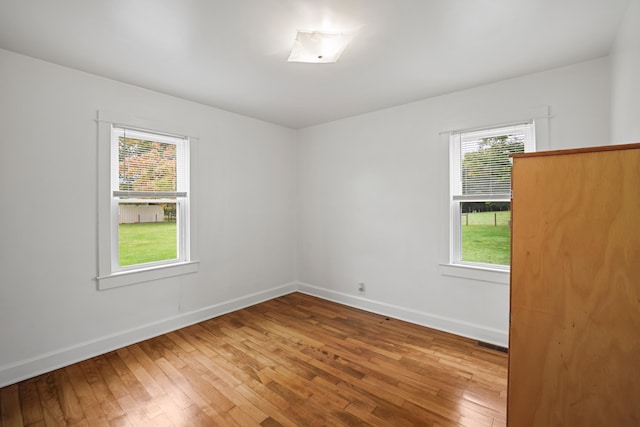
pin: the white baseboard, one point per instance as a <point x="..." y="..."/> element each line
<point x="12" y="373"/>
<point x="446" y="324"/>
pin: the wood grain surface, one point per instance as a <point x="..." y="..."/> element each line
<point x="575" y="289"/>
<point x="292" y="361"/>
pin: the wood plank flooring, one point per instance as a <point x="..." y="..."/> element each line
<point x="292" y="361"/>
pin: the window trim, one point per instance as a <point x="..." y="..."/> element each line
<point x="111" y="275"/>
<point x="457" y="192"/>
<point x="487" y="273"/>
<point x="181" y="196"/>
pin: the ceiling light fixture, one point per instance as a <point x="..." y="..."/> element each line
<point x="318" y="47"/>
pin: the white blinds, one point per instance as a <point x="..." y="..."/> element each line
<point x="148" y="164"/>
<point x="482" y="164"/>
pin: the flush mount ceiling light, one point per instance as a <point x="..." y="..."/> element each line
<point x="318" y="47"/>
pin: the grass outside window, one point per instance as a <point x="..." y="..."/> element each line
<point x="142" y="243"/>
<point x="486" y="237"/>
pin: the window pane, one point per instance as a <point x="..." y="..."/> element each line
<point x="485" y="163"/>
<point x="146" y="165"/>
<point x="147" y="233"/>
<point x="486" y="236"/>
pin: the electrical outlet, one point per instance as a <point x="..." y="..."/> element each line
<point x="361" y="288"/>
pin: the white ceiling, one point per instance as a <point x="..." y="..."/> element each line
<point x="232" y="54"/>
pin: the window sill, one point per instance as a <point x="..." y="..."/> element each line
<point x="472" y="272"/>
<point x="125" y="278"/>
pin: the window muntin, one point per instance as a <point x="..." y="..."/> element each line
<point x="149" y="199"/>
<point x="481" y="192"/>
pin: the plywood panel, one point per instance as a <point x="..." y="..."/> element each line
<point x="575" y="290"/>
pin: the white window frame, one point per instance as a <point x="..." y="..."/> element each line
<point x="451" y="235"/>
<point x="455" y="141"/>
<point x="110" y="273"/>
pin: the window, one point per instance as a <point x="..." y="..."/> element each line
<point x="150" y="198"/>
<point x="481" y="193"/>
<point x="145" y="223"/>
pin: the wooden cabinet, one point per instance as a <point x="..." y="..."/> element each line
<point x="574" y="340"/>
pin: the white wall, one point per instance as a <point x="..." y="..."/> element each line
<point x="371" y="196"/>
<point x="625" y="106"/>
<point x="50" y="310"/>
<point x="373" y="201"/>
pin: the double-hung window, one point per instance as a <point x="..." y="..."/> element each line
<point x="480" y="193"/>
<point x="144" y="205"/>
<point x="149" y="198"/>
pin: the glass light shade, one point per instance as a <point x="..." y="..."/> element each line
<point x="318" y="47"/>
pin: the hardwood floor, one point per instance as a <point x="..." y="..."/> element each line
<point x="292" y="361"/>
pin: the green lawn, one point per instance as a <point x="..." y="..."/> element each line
<point x="482" y="241"/>
<point x="147" y="242"/>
